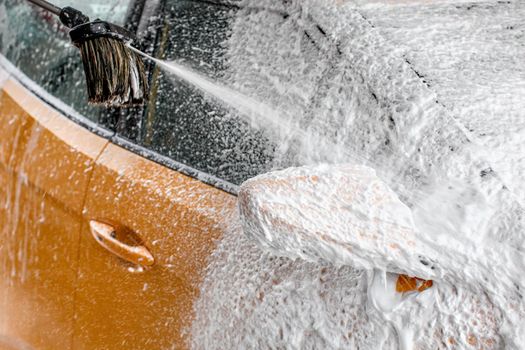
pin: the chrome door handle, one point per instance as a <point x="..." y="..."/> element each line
<point x="105" y="235"/>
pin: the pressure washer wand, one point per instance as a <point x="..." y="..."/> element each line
<point x="115" y="75"/>
<point x="47" y="6"/>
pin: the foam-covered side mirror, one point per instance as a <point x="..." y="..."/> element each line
<point x="343" y="214"/>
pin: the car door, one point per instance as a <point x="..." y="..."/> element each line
<point x="47" y="155"/>
<point x="178" y="219"/>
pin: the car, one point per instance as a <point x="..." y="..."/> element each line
<point x="119" y="227"/>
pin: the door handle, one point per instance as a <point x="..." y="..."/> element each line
<point x="106" y="236"/>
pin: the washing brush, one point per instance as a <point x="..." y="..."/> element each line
<point x="115" y="74"/>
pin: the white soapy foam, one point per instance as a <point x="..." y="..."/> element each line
<point x="346" y="216"/>
<point x="472" y="55"/>
<point x="310" y="211"/>
<point x="253" y="299"/>
<point x="356" y="88"/>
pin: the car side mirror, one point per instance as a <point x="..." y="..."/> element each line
<point x="343" y="214"/>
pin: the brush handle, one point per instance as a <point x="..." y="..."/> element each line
<point x="47" y="6"/>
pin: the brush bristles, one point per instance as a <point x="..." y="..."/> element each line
<point x="115" y="75"/>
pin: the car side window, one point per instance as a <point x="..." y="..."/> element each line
<point x="36" y="42"/>
<point x="183" y="123"/>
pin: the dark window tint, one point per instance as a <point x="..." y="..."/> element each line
<point x="184" y="123"/>
<point x="39" y="45"/>
<point x="278" y="57"/>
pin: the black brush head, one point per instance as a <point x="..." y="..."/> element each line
<point x="115" y="74"/>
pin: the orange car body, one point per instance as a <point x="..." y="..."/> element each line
<point x="58" y="287"/>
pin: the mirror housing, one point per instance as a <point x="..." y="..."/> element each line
<point x="342" y="214"/>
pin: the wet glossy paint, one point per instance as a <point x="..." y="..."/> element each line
<point x="45" y="164"/>
<point x="59" y="289"/>
<point x="179" y="219"/>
